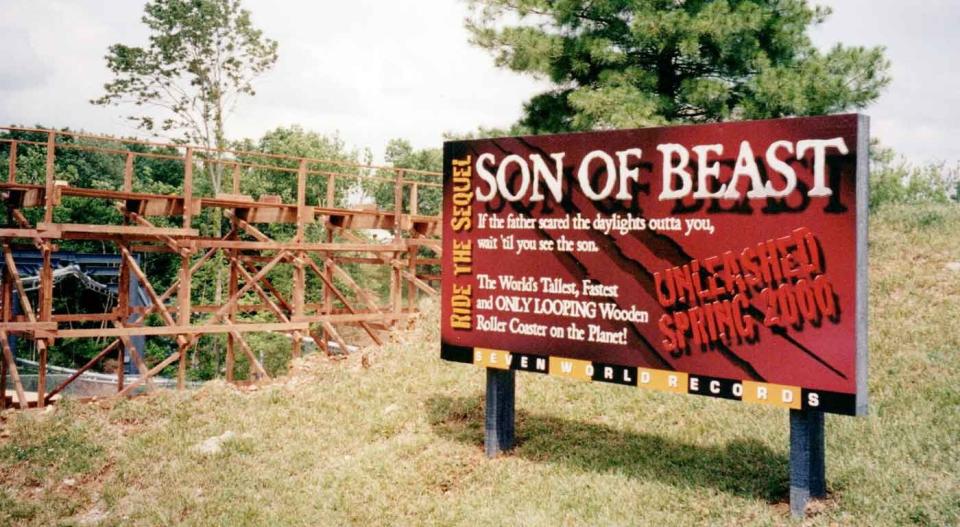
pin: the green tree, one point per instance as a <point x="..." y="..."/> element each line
<point x="295" y="141"/>
<point x="631" y="63"/>
<point x="202" y="56"/>
<point x="401" y="154"/>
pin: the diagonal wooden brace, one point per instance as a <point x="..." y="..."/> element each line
<point x="12" y="364"/>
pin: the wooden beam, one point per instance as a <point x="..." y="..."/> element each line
<point x="232" y="285"/>
<point x="153" y="371"/>
<point x="299" y="296"/>
<point x="343" y="299"/>
<point x="249" y="352"/>
<point x="359" y="291"/>
<point x="27" y="233"/>
<point x="17" y="327"/>
<point x="411" y="287"/>
<point x="145" y="283"/>
<point x="249" y="229"/>
<point x="60" y="229"/>
<point x="128" y="173"/>
<point x="25" y="304"/>
<point x="302" y="201"/>
<point x="12" y="366"/>
<point x="414" y="199"/>
<point x="328" y="327"/>
<point x="280" y="246"/>
<point x="6" y="298"/>
<point x="3" y="381"/>
<point x="183" y="313"/>
<point x="49" y="177"/>
<point x="420" y="284"/>
<point x="331" y="190"/>
<point x="347" y="318"/>
<point x="90" y="363"/>
<point x="134" y="353"/>
<point x="188" y="189"/>
<point x="12" y="163"/>
<point x="204" y="329"/>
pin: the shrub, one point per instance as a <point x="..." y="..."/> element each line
<point x="895" y="180"/>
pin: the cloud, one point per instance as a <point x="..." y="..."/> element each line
<point x="19" y="62"/>
<point x="918" y="113"/>
<point x="378" y="69"/>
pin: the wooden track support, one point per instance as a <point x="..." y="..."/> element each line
<point x="324" y="242"/>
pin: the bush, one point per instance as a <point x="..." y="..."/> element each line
<point x="895" y="180"/>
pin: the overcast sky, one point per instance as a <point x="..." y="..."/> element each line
<point x="373" y="70"/>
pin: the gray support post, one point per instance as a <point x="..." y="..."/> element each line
<point x="137" y="298"/>
<point x="499" y="423"/>
<point x="807" y="467"/>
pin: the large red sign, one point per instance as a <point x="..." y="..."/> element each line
<point x="726" y="260"/>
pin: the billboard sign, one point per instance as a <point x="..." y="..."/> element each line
<point x="726" y="260"/>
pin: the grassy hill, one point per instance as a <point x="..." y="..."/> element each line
<point x="397" y="439"/>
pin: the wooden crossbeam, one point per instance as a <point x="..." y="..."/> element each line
<point x="343" y="299"/>
<point x="362" y="293"/>
<point x="134" y="353"/>
<point x="234" y="299"/>
<point x="328" y="327"/>
<point x="165" y="238"/>
<point x="249" y="229"/>
<point x="25" y="224"/>
<point x="153" y="371"/>
<point x="90" y="363"/>
<point x="293" y="246"/>
<point x="350" y="318"/>
<point x="247" y="351"/>
<point x="15" y="327"/>
<point x="423" y="286"/>
<point x="22" y="292"/>
<point x="195" y="331"/>
<point x="280" y="300"/>
<point x="145" y="283"/>
<point x="127" y="230"/>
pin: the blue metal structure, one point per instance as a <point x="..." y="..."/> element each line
<point x="96" y="272"/>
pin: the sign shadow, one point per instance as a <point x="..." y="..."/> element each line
<point x="740" y="467"/>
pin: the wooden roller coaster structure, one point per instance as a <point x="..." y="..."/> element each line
<point x="407" y="243"/>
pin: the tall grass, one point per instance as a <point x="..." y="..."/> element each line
<point x="400" y="442"/>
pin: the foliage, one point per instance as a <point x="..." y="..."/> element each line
<point x="294" y="141"/>
<point x="895" y="180"/>
<point x="83" y="168"/>
<point x="202" y="56"/>
<point x="277" y="176"/>
<point x="633" y="63"/>
<point x="400" y="153"/>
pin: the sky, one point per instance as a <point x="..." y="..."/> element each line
<point x="373" y="70"/>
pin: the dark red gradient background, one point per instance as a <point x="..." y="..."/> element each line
<point x="821" y="357"/>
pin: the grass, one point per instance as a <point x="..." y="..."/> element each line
<point x="400" y="442"/>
